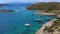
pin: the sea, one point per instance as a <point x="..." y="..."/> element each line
<point x="14" y="22"/>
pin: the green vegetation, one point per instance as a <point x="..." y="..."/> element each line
<point x="53" y="27"/>
<point x="45" y="6"/>
<point x="48" y="7"/>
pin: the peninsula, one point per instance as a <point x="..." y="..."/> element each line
<point x="45" y="6"/>
<point x="50" y="27"/>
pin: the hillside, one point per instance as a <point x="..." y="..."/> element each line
<point x="45" y="6"/>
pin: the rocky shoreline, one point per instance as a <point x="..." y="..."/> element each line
<point x="40" y="31"/>
<point x="46" y="13"/>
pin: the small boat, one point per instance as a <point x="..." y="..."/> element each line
<point x="48" y="19"/>
<point x="37" y="20"/>
<point x="27" y="25"/>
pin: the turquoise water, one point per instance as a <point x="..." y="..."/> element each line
<point x="13" y="22"/>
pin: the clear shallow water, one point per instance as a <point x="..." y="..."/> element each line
<point x="13" y="23"/>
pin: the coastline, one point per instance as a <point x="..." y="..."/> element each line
<point x="46" y="13"/>
<point x="40" y="31"/>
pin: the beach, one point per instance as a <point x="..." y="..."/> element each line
<point x="40" y="31"/>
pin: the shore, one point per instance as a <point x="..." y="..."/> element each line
<point x="40" y="31"/>
<point x="46" y="13"/>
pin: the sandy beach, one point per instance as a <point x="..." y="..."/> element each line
<point x="40" y="31"/>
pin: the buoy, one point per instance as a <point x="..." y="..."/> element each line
<point x="27" y="25"/>
<point x="37" y="20"/>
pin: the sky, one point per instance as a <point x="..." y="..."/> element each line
<point x="26" y="1"/>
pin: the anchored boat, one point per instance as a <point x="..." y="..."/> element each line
<point x="37" y="20"/>
<point x="27" y="25"/>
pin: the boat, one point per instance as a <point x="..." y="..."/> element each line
<point x="48" y="19"/>
<point x="37" y="20"/>
<point x="27" y="25"/>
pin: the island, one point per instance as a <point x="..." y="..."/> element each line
<point x="6" y="10"/>
<point x="48" y="8"/>
<point x="4" y="5"/>
<point x="1" y="5"/>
